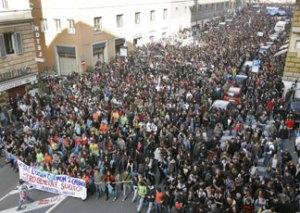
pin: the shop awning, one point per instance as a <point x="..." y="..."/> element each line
<point x="15" y="82"/>
<point x="119" y="41"/>
<point x="66" y="51"/>
<point x="99" y="46"/>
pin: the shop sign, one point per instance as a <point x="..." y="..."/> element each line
<point x="14" y="73"/>
<point x="37" y="38"/>
<point x="17" y="82"/>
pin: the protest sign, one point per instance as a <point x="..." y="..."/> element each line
<point x="123" y="52"/>
<point x="58" y="184"/>
<point x="260" y="34"/>
<point x="255" y="65"/>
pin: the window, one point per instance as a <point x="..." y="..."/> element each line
<point x="137" y="41"/>
<point x="98" y="54"/>
<point x="71" y="27"/>
<point x="97" y="24"/>
<point x="10" y="43"/>
<point x="137" y="18"/>
<point x="152" y="15"/>
<point x="57" y="24"/>
<point x="3" y="4"/>
<point x="165" y="15"/>
<point x="44" y="25"/>
<point x="151" y="39"/>
<point x="298" y="44"/>
<point x="120" y="20"/>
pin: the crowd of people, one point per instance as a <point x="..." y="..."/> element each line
<point x="144" y="125"/>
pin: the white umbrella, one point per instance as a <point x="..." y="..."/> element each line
<point x="281" y="52"/>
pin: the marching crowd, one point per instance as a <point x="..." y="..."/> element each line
<point x="144" y="125"/>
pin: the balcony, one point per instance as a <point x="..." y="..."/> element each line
<point x="14" y="11"/>
<point x="11" y="16"/>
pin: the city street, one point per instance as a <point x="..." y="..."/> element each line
<point x="46" y="202"/>
<point x="186" y="106"/>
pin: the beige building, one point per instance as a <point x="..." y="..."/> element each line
<point x="18" y="67"/>
<point x="292" y="65"/>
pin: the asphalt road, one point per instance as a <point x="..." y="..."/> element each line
<point x="47" y="202"/>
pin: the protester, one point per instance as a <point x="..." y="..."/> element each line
<point x="148" y="119"/>
<point x="24" y="195"/>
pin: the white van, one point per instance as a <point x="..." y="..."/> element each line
<point x="280" y="26"/>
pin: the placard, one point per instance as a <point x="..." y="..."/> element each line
<point x="123" y="52"/>
<point x="255" y="66"/>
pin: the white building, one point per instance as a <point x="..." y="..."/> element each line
<point x="80" y="33"/>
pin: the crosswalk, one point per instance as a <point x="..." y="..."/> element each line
<point x="44" y="202"/>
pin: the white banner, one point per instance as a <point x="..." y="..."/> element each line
<point x="58" y="184"/>
<point x="255" y="66"/>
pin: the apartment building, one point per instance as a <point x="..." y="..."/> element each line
<point x="81" y="34"/>
<point x="204" y="10"/>
<point x="18" y="66"/>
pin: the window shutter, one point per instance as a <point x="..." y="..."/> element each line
<point x="2" y="47"/>
<point x="17" y="43"/>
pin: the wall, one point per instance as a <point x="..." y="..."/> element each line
<point x="27" y="58"/>
<point x="83" y="13"/>
<point x="292" y="65"/>
<point x="17" y="5"/>
<point x="82" y="40"/>
<point x="206" y="9"/>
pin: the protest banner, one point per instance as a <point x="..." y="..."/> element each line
<point x="58" y="184"/>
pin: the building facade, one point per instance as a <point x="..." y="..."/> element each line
<point x="203" y="10"/>
<point x="18" y="67"/>
<point x="292" y="65"/>
<point x="81" y="34"/>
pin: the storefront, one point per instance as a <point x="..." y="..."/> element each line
<point x="66" y="60"/>
<point x="119" y="44"/>
<point x="99" y="54"/>
<point x="17" y="86"/>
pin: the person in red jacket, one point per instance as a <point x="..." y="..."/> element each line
<point x="270" y="107"/>
<point x="290" y="123"/>
<point x="110" y="185"/>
